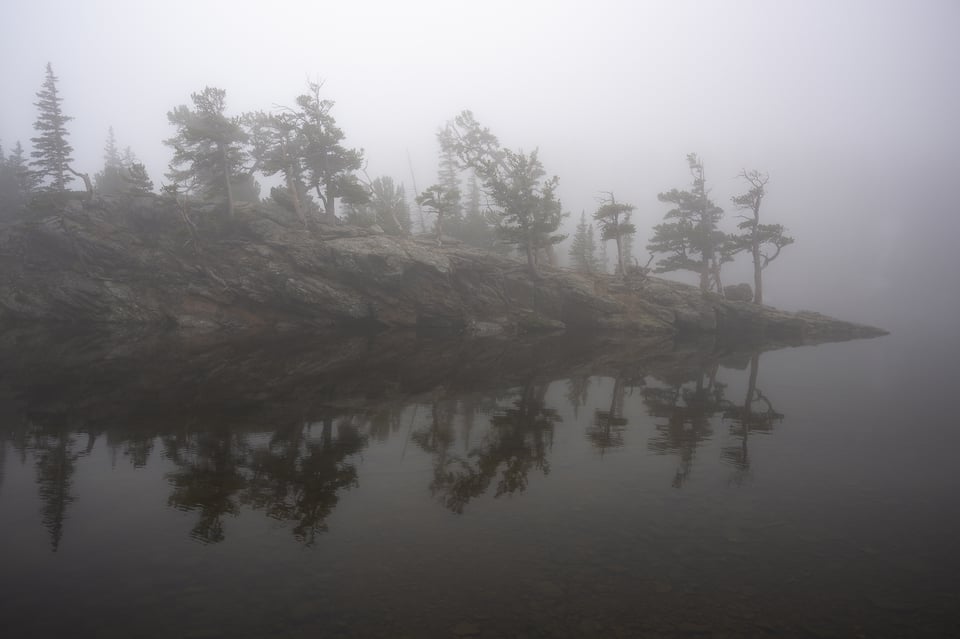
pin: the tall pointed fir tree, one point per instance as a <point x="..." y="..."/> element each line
<point x="583" y="248"/>
<point x="51" y="151"/>
<point x="108" y="180"/>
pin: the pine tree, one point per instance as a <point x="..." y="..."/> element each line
<point x="583" y="249"/>
<point x="614" y="220"/>
<point x="690" y="236"/>
<point x="207" y="149"/>
<point x="529" y="211"/>
<point x="443" y="203"/>
<point x="448" y="176"/>
<point x="330" y="168"/>
<point x="51" y="151"/>
<point x="756" y="236"/>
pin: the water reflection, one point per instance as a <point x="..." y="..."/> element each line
<point x="755" y="414"/>
<point x="277" y="428"/>
<point x="517" y="442"/>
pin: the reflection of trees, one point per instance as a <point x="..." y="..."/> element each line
<point x="294" y="477"/>
<point x="755" y="414"/>
<point x="298" y="478"/>
<point x="55" y="454"/>
<point x="687" y="408"/>
<point x="606" y="430"/>
<point x="516" y="443"/>
<point x="208" y="478"/>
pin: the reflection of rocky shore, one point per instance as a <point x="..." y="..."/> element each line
<point x="271" y="422"/>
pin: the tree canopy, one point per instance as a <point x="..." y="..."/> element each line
<point x="690" y="236"/>
<point x="529" y="213"/>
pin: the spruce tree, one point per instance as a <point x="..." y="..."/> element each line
<point x="108" y="181"/>
<point x="51" y="151"/>
<point x="583" y="249"/>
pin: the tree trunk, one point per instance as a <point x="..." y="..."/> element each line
<point x="623" y="272"/>
<point x="295" y="197"/>
<point x="705" y="273"/>
<point x="329" y="206"/>
<point x="226" y="179"/>
<point x="757" y="266"/>
<point x="531" y="258"/>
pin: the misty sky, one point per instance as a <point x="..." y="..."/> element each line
<point x="851" y="107"/>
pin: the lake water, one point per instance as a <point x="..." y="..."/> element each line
<point x="162" y="486"/>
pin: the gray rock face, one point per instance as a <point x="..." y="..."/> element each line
<point x="135" y="262"/>
<point x="738" y="292"/>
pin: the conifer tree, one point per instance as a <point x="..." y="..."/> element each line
<point x="583" y="248"/>
<point x="529" y="211"/>
<point x="108" y="181"/>
<point x="207" y="148"/>
<point x="614" y="220"/>
<point x="756" y="237"/>
<point x="330" y="168"/>
<point x="690" y="236"/>
<point x="443" y="203"/>
<point x="51" y="151"/>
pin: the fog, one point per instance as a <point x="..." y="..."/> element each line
<point x="850" y="107"/>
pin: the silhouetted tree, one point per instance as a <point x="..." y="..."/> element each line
<point x="330" y="168"/>
<point x="208" y="153"/>
<point x="614" y="220"/>
<point x="756" y="236"/>
<point x="51" y="151"/>
<point x="529" y="211"/>
<point x="279" y="146"/>
<point x="690" y="236"/>
<point x="443" y="203"/>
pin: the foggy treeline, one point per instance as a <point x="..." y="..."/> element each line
<point x="486" y="195"/>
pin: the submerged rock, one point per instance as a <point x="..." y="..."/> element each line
<point x="134" y="261"/>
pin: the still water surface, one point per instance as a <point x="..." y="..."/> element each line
<point x="384" y="489"/>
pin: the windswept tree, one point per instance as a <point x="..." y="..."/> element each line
<point x="689" y="237"/>
<point x="208" y="151"/>
<point x="279" y="146"/>
<point x="386" y="206"/>
<point x="330" y="168"/>
<point x="763" y="241"/>
<point x="444" y="203"/>
<point x="583" y="248"/>
<point x="614" y="220"/>
<point x="525" y="199"/>
<point x="51" y="151"/>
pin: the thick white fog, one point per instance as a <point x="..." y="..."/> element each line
<point x="851" y="107"/>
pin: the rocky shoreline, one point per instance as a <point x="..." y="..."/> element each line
<point x="132" y="261"/>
